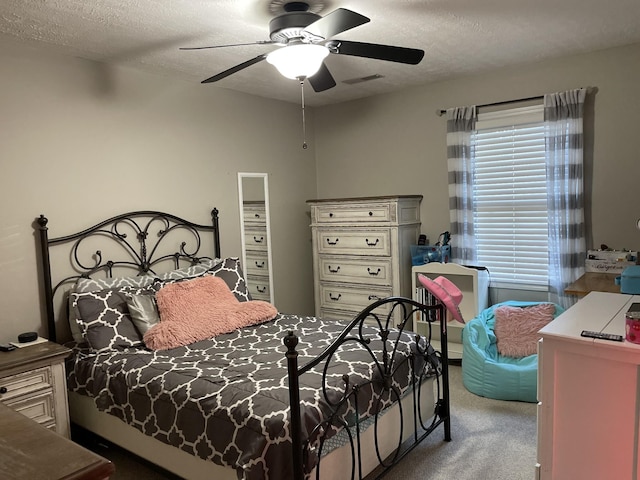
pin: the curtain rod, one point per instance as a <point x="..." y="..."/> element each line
<point x="441" y="112"/>
<point x="494" y="104"/>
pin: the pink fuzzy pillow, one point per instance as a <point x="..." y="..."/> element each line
<point x="516" y="328"/>
<point x="201" y="308"/>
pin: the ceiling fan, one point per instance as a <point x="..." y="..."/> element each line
<point x="305" y="41"/>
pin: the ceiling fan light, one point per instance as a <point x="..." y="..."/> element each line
<point x="296" y="61"/>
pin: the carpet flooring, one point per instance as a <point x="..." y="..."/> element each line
<point x="491" y="440"/>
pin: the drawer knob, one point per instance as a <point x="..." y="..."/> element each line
<point x="331" y="214"/>
<point x="373" y="273"/>
<point x="335" y="298"/>
<point x="257" y="215"/>
<point x="371" y="214"/>
<point x="332" y="243"/>
<point x="258" y="240"/>
<point x="372" y="244"/>
<point x="334" y="270"/>
<point x="3" y="390"/>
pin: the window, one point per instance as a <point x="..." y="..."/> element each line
<point x="510" y="197"/>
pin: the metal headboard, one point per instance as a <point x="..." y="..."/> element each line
<point x="142" y="240"/>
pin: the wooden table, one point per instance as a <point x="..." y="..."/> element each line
<point x="29" y="451"/>
<point x="593" y="282"/>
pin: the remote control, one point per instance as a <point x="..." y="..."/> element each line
<point x="603" y="336"/>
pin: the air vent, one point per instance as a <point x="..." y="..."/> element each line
<point x="353" y="81"/>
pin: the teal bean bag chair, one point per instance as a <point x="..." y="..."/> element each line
<point x="486" y="372"/>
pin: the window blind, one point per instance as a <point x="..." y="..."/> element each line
<point x="510" y="197"/>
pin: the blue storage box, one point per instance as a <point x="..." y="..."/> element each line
<point x="629" y="280"/>
<point x="421" y="254"/>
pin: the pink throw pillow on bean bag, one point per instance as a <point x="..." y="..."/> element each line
<point x="516" y="328"/>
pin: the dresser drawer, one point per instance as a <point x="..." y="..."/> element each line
<point x="374" y="271"/>
<point x="257" y="263"/>
<point x="255" y="239"/>
<point x="254" y="215"/>
<point x="39" y="407"/>
<point x="353" y="213"/>
<point x="25" y="383"/>
<point x="259" y="288"/>
<point x="351" y="298"/>
<point x="372" y="242"/>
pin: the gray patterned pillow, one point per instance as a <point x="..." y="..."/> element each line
<point x="104" y="318"/>
<point x="230" y="271"/>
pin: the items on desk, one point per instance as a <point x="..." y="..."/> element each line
<point x="607" y="260"/>
<point x="632" y="323"/>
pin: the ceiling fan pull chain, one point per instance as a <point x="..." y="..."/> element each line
<point x="304" y="125"/>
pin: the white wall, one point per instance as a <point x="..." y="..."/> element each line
<point x="80" y="142"/>
<point x="395" y="144"/>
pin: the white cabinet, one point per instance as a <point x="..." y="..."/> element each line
<point x="361" y="251"/>
<point x="474" y="285"/>
<point x="589" y="392"/>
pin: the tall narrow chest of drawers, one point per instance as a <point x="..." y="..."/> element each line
<point x="257" y="253"/>
<point x="361" y="251"/>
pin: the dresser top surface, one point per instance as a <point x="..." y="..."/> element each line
<point x="37" y="352"/>
<point x="365" y="199"/>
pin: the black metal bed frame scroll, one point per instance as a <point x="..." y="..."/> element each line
<point x="140" y="257"/>
<point x="431" y="363"/>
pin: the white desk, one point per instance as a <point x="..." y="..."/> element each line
<point x="589" y="394"/>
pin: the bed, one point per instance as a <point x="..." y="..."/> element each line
<point x="266" y="395"/>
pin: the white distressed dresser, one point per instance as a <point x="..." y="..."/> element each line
<point x="361" y="251"/>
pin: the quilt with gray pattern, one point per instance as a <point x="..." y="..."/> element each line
<point x="226" y="399"/>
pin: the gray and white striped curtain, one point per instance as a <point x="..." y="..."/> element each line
<point x="461" y="122"/>
<point x="563" y="117"/>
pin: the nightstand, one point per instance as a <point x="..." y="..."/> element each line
<point x="33" y="382"/>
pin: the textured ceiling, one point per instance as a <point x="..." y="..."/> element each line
<point x="459" y="37"/>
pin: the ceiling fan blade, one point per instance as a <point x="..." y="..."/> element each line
<point x="235" y="69"/>
<point x="336" y="22"/>
<point x="389" y="53"/>
<point x="259" y="42"/>
<point x="322" y="80"/>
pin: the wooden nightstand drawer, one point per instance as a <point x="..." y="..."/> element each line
<point x="24" y="383"/>
<point x="39" y="407"/>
